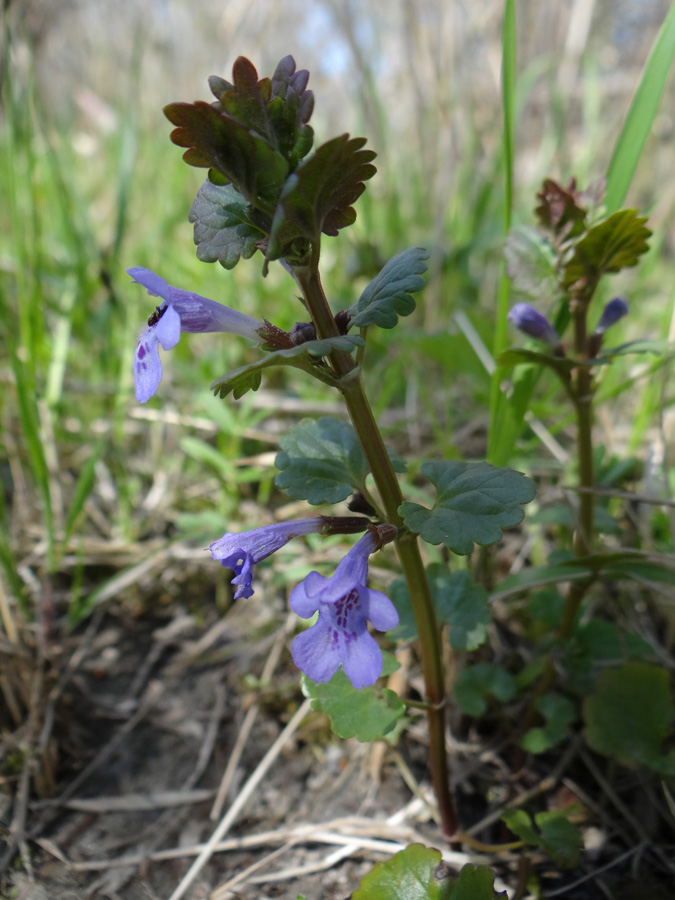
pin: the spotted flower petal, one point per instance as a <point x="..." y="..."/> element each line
<point x="180" y="311"/>
<point x="340" y="635"/>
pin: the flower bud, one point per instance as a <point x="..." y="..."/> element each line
<point x="616" y="309"/>
<point x="533" y="323"/>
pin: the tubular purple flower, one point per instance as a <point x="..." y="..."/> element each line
<point x="340" y="635"/>
<point x="614" y="310"/>
<point x="240" y="552"/>
<point x="181" y="311"/>
<point x="533" y="323"/>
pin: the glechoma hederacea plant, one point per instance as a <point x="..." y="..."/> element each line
<point x="269" y="192"/>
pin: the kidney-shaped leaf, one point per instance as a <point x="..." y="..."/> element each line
<point x="475" y="501"/>
<point x="363" y="714"/>
<point x="222" y="230"/>
<point x="321" y="461"/>
<point x="389" y="294"/>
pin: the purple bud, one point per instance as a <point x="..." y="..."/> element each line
<point x="616" y="309"/>
<point x="533" y="323"/>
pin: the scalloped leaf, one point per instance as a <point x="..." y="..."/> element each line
<point x="364" y="714"/>
<point x="410" y="874"/>
<point x="458" y="602"/>
<point x="559" y="713"/>
<point x="630" y="716"/>
<point x="318" y="197"/>
<point x="222" y="230"/>
<point x="248" y="378"/>
<point x="321" y="461"/>
<point x="475" y="683"/>
<point x="389" y="294"/>
<point x="254" y="134"/>
<point x="462" y="603"/>
<point x="419" y="873"/>
<point x="615" y="243"/>
<point x="256" y="169"/>
<point x="475" y="501"/>
<point x="557" y="836"/>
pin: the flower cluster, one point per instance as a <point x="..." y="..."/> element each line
<point x="343" y="601"/>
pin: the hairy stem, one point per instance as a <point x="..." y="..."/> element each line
<point x="370" y="438"/>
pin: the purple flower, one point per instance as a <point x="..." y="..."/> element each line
<point x="240" y="552"/>
<point x="533" y="323"/>
<point x="345" y="605"/>
<point x="616" y="309"/>
<point x="181" y="311"/>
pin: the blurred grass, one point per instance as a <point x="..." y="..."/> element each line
<point x="91" y="190"/>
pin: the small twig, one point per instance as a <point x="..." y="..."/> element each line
<point x="136" y="802"/>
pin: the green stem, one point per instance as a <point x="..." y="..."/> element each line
<point x="372" y="444"/>
<point x="582" y="390"/>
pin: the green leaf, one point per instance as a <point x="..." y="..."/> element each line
<point x="605" y="642"/>
<point x="630" y="715"/>
<point x="83" y="488"/>
<point x="615" y="243"/>
<point x="530" y="264"/>
<point x="475" y="883"/>
<point x="639" y="569"/>
<point x="406" y="630"/>
<point x="256" y="169"/>
<point x="641" y="115"/>
<point x="389" y="294"/>
<point x="515" y="356"/>
<point x="318" y="197"/>
<point x="222" y="230"/>
<point x="559" y="713"/>
<point x="475" y="501"/>
<point x="557" y="836"/>
<point x="362" y="714"/>
<point x="657" y="348"/>
<point x="248" y="378"/>
<point x="482" y="680"/>
<point x="408" y="875"/>
<point x="462" y="604"/>
<point x="321" y="461"/>
<point x="418" y="873"/>
<point x="458" y="601"/>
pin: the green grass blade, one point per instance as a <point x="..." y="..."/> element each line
<point x="502" y="431"/>
<point x="83" y="488"/>
<point x="30" y="422"/>
<point x="640" y="116"/>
